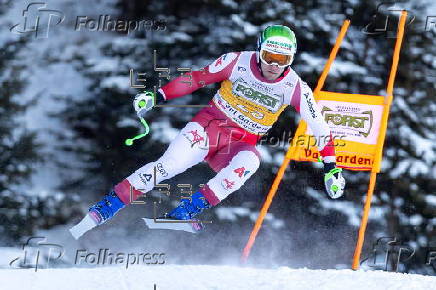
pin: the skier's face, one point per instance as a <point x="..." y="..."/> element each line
<point x="271" y="71"/>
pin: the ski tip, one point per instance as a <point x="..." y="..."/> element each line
<point x="172" y="224"/>
<point x="75" y="233"/>
<point x="86" y="224"/>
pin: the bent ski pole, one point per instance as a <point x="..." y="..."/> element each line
<point x="129" y="142"/>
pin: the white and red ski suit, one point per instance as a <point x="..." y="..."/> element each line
<point x="225" y="133"/>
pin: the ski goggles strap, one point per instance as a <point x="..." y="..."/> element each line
<point x="281" y="60"/>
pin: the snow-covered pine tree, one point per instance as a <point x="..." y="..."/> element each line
<point x="18" y="148"/>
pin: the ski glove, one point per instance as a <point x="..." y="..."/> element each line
<point x="334" y="182"/>
<point x="143" y="103"/>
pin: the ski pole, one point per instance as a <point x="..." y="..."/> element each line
<point x="129" y="142"/>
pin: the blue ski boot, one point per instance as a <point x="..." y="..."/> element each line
<point x="98" y="214"/>
<point x="189" y="207"/>
<point x="106" y="208"/>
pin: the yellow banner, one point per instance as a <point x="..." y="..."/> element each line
<point x="355" y="121"/>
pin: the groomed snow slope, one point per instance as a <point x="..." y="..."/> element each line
<point x="208" y="277"/>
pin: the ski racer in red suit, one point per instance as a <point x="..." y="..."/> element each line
<point x="256" y="86"/>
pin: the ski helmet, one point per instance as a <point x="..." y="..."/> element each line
<point x="277" y="39"/>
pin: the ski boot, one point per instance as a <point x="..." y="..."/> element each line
<point x="98" y="214"/>
<point x="182" y="217"/>
<point x="189" y="207"/>
<point x="106" y="208"/>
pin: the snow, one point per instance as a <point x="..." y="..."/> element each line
<point x="120" y="82"/>
<point x="374" y="80"/>
<point x="7" y="254"/>
<point x="208" y="277"/>
<point x="162" y="131"/>
<point x="338" y="67"/>
<point x="264" y="153"/>
<point x="105" y="65"/>
<point x="233" y="213"/>
<point x="181" y="36"/>
<point x="129" y="122"/>
<point x="415" y="220"/>
<point x="312" y="61"/>
<point x="249" y="28"/>
<point x="278" y="158"/>
<point x="348" y="208"/>
<point x="431" y="200"/>
<point x="230" y="3"/>
<point x="346" y="68"/>
<point x="51" y="72"/>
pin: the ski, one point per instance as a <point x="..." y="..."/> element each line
<point x="191" y="226"/>
<point x="86" y="224"/>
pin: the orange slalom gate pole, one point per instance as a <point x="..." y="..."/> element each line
<point x="326" y="70"/>
<point x="279" y="176"/>
<point x="264" y="210"/>
<point x="396" y="56"/>
<point x="380" y="141"/>
<point x="364" y="221"/>
<point x="332" y="56"/>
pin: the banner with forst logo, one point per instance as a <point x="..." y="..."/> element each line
<point x="354" y="121"/>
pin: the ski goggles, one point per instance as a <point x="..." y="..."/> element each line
<point x="281" y="60"/>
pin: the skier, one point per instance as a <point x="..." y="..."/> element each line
<point x="256" y="86"/>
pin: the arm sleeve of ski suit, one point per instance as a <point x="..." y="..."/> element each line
<point x="304" y="102"/>
<point x="217" y="71"/>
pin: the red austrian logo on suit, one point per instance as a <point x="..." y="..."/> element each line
<point x="241" y="171"/>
